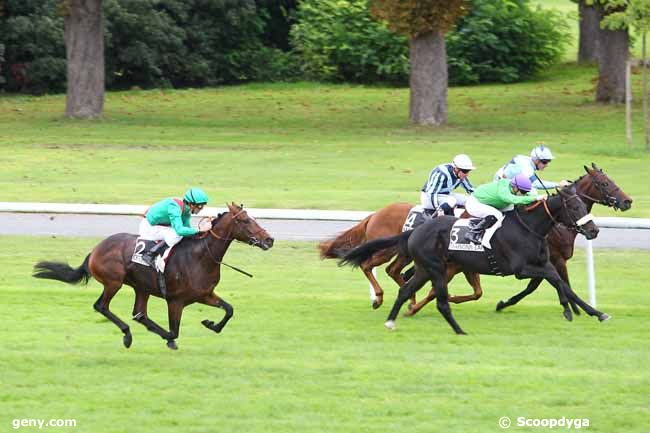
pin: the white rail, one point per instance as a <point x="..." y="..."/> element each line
<point x="296" y="214"/>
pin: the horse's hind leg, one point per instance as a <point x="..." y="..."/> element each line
<point x="394" y="270"/>
<point x="405" y="292"/>
<point x="140" y="316"/>
<point x="439" y="281"/>
<point x="367" y="266"/>
<point x="560" y="266"/>
<point x="215" y="301"/>
<point x="102" y="305"/>
<point x="474" y="280"/>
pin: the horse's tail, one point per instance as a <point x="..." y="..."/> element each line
<point x="352" y="237"/>
<point x="63" y="272"/>
<point x="360" y="254"/>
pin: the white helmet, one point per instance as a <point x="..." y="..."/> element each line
<point x="541" y="152"/>
<point x="463" y="162"/>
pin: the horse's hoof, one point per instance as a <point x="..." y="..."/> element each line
<point x="390" y="325"/>
<point x="501" y="305"/>
<point x="604" y="317"/>
<point x="172" y="345"/>
<point x="568" y="315"/>
<point x="128" y="339"/>
<point x="409" y="313"/>
<point x="461" y="332"/>
<point x="376" y="304"/>
<point x="207" y="323"/>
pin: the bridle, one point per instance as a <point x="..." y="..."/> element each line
<point x="252" y="241"/>
<point x="607" y="199"/>
<point x="577" y="225"/>
<point x="252" y="236"/>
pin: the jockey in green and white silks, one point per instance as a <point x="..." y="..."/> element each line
<point x="540" y="157"/>
<point x="491" y="199"/>
<point x="169" y="220"/>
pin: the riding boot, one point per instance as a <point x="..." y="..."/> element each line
<point x="476" y="231"/>
<point x="149" y="256"/>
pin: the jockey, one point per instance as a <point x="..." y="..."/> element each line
<point x="490" y="199"/>
<point x="540" y="157"/>
<point x="169" y="220"/>
<point x="437" y="192"/>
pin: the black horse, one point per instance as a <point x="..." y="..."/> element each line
<point x="518" y="248"/>
<point x="191" y="275"/>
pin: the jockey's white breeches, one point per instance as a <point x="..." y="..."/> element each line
<point x="477" y="209"/>
<point x="452" y="200"/>
<point x="157" y="233"/>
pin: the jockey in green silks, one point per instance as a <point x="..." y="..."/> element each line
<point x="169" y="221"/>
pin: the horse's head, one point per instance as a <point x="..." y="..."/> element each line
<point x="246" y="229"/>
<point x="601" y="189"/>
<point x="574" y="213"/>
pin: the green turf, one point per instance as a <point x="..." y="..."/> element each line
<point x="306" y="353"/>
<point x="306" y="145"/>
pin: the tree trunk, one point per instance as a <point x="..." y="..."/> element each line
<point x="589" y="44"/>
<point x="84" y="42"/>
<point x="428" y="79"/>
<point x="614" y="52"/>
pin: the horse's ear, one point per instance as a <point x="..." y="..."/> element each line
<point x="587" y="168"/>
<point x="593" y="164"/>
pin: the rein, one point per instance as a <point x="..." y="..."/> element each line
<point x="227" y="239"/>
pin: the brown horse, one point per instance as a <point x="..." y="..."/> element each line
<point x="596" y="187"/>
<point x="192" y="272"/>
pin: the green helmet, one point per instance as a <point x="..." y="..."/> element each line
<point x="196" y="196"/>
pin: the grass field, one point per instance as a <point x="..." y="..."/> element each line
<point x="306" y="353"/>
<point x="305" y="145"/>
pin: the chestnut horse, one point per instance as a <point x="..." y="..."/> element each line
<point x="595" y="187"/>
<point x="192" y="272"/>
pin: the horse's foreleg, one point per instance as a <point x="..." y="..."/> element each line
<point x="174" y="311"/>
<point x="215" y="301"/>
<point x="548" y="272"/>
<point x="102" y="305"/>
<point x="560" y="266"/>
<point x="530" y="288"/>
<point x="140" y="316"/>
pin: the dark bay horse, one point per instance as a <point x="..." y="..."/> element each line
<point x="519" y="248"/>
<point x="593" y="187"/>
<point x="192" y="272"/>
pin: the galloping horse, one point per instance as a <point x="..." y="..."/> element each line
<point x="387" y="221"/>
<point x="595" y="187"/>
<point x="192" y="273"/>
<point x="519" y="248"/>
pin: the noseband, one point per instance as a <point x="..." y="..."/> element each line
<point x="252" y="236"/>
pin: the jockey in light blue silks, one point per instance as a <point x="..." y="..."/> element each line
<point x="169" y="220"/>
<point x="437" y="193"/>
<point x="540" y="157"/>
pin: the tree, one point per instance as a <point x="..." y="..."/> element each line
<point x="614" y="52"/>
<point x="84" y="42"/>
<point x="425" y="23"/>
<point x="589" y="37"/>
<point x="636" y="14"/>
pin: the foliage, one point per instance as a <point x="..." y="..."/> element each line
<point x="416" y="17"/>
<point x="149" y="43"/>
<point x="504" y="41"/>
<point x="500" y="41"/>
<point x="337" y="40"/>
<point x="628" y="13"/>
